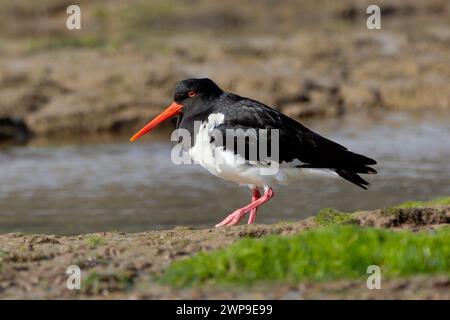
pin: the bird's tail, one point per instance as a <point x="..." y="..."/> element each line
<point x="352" y="175"/>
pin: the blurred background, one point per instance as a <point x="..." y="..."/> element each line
<point x="70" y="99"/>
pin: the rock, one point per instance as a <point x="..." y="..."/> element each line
<point x="317" y="98"/>
<point x="13" y="130"/>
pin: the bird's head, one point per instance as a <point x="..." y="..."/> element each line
<point x="190" y="94"/>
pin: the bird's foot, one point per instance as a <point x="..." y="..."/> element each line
<point x="232" y="219"/>
<point x="237" y="215"/>
<point x="252" y="217"/>
<point x="255" y="196"/>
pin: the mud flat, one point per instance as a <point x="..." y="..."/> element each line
<point x="132" y="265"/>
<point x="317" y="60"/>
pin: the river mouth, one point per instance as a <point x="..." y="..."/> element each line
<point x="71" y="188"/>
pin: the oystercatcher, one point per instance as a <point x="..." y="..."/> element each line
<point x="299" y="150"/>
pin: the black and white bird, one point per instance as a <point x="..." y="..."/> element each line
<point x="222" y="116"/>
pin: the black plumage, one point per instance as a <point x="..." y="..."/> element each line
<point x="295" y="140"/>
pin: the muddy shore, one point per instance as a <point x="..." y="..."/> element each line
<point x="126" y="265"/>
<point x="120" y="69"/>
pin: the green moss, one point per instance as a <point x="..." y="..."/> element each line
<point x="328" y="216"/>
<point x="391" y="211"/>
<point x="416" y="204"/>
<point x="95" y="241"/>
<point x="421" y="204"/>
<point x="320" y="254"/>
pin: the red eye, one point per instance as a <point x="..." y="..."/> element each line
<point x="192" y="94"/>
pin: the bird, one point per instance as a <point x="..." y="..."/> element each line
<point x="217" y="121"/>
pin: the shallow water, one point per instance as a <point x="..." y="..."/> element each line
<point x="81" y="188"/>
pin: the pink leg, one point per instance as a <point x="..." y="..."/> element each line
<point x="237" y="215"/>
<point x="255" y="196"/>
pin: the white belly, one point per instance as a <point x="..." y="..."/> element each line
<point x="226" y="165"/>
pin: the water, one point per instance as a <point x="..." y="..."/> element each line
<point x="81" y="188"/>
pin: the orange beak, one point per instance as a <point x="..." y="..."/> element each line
<point x="171" y="111"/>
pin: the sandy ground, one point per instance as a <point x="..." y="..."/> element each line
<point x="124" y="265"/>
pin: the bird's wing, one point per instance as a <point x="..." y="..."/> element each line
<point x="296" y="142"/>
